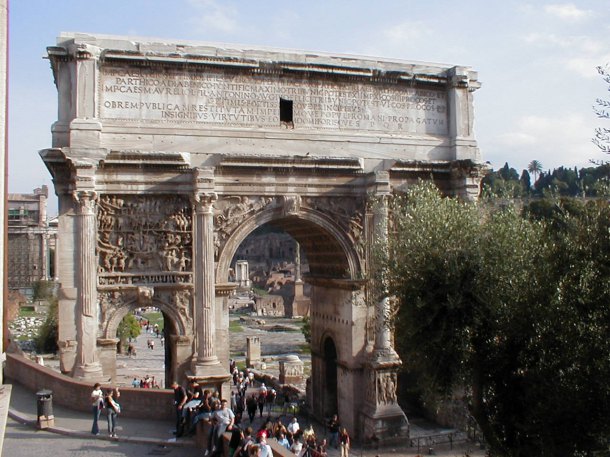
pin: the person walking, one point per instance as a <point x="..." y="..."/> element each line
<point x="333" y="430"/>
<point x="344" y="442"/>
<point x="251" y="407"/>
<point x="112" y="410"/>
<point x="180" y="398"/>
<point x="97" y="403"/>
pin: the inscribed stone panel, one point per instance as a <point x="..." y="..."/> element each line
<point x="225" y="98"/>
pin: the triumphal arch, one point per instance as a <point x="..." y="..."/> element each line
<point x="165" y="156"/>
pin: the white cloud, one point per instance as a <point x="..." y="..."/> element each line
<point x="580" y="54"/>
<point x="215" y="16"/>
<point x="567" y="11"/>
<point x="407" y="33"/>
<point x="554" y="141"/>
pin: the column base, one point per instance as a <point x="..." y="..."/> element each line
<point x="385" y="424"/>
<point x="89" y="372"/>
<point x="212" y="376"/>
<point x="211" y="369"/>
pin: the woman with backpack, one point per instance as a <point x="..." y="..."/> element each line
<point x="112" y="410"/>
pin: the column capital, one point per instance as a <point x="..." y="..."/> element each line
<point x="86" y="201"/>
<point x="204" y="201"/>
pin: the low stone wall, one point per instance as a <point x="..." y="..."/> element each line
<point x="76" y="395"/>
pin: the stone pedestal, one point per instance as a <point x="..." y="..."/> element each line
<point x="67" y="355"/>
<point x="253" y="351"/>
<point x="382" y="417"/>
<point x="107" y="348"/>
<point x="291" y="370"/>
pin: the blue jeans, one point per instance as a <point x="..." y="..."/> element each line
<point x="96" y="416"/>
<point x="111" y="420"/>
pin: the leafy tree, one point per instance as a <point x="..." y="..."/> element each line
<point x="602" y="109"/>
<point x="514" y="309"/>
<point x="535" y="167"/>
<point x="43" y="290"/>
<point x="306" y="329"/>
<point x="525" y="182"/>
<point x="46" y="339"/>
<point x="129" y="327"/>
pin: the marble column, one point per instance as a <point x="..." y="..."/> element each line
<point x="206" y="363"/>
<point x="87" y="364"/>
<point x="382" y="418"/>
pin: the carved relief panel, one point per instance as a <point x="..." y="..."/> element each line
<point x="381" y="387"/>
<point x="143" y="234"/>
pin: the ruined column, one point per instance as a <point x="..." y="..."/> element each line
<point x="87" y="364"/>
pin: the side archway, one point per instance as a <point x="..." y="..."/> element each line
<point x="330" y="367"/>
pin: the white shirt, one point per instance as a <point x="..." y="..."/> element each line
<point x="96" y="396"/>
<point x="293" y="427"/>
<point x="265" y="450"/>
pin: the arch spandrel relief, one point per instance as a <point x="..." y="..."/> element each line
<point x="347" y="212"/>
<point x="230" y="212"/>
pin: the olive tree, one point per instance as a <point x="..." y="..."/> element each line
<point x="512" y="309"/>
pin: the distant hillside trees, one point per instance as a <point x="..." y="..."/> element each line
<point x="560" y="182"/>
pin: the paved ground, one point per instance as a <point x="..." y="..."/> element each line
<point x="151" y="361"/>
<point x="71" y="434"/>
<point x="138" y="437"/>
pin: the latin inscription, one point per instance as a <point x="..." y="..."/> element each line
<point x="220" y="98"/>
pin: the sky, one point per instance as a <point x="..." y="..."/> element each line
<point x="536" y="60"/>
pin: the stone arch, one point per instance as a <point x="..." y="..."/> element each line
<point x="308" y="227"/>
<point x="112" y="323"/>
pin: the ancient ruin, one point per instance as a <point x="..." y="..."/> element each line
<point x="165" y="156"/>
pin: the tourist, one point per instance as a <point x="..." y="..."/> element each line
<point x="297" y="446"/>
<point x="135" y="383"/>
<point x="203" y="411"/>
<point x="188" y="410"/>
<point x="180" y="398"/>
<point x="283" y="441"/>
<point x="237" y="436"/>
<point x="247" y="440"/>
<point x="344" y="442"/>
<point x="293" y="427"/>
<point x="97" y="403"/>
<point x="251" y="407"/>
<point x="261" y="403"/>
<point x="333" y="430"/>
<point x="265" y="449"/>
<point x="322" y="448"/>
<point x="112" y="410"/>
<point x="271" y="395"/>
<point x="254" y="450"/>
<point x="225" y="419"/>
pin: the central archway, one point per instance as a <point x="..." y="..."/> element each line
<point x="329" y="252"/>
<point x="328" y="231"/>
